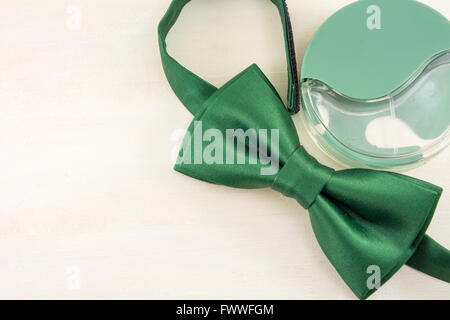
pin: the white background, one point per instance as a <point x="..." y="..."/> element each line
<point x="89" y="204"/>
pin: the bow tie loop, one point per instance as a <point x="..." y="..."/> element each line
<point x="302" y="178"/>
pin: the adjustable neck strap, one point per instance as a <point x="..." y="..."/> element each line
<point x="192" y="90"/>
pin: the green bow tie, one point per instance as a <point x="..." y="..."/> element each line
<point x="361" y="218"/>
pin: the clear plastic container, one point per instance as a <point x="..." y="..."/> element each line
<point x="395" y="132"/>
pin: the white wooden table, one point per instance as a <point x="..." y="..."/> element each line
<point x="90" y="206"/>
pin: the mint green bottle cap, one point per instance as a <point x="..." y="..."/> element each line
<point x="376" y="84"/>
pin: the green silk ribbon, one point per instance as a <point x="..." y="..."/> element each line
<point x="361" y="218"/>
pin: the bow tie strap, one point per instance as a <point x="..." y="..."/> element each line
<point x="431" y="258"/>
<point x="192" y="90"/>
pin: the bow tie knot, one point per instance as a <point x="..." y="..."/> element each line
<point x="302" y="178"/>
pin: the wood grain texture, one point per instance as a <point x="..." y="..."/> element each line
<point x="90" y="206"/>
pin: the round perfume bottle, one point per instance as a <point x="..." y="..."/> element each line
<point x="376" y="84"/>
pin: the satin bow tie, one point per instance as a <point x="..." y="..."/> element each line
<point x="361" y="218"/>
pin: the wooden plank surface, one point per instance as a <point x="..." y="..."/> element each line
<point x="90" y="206"/>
